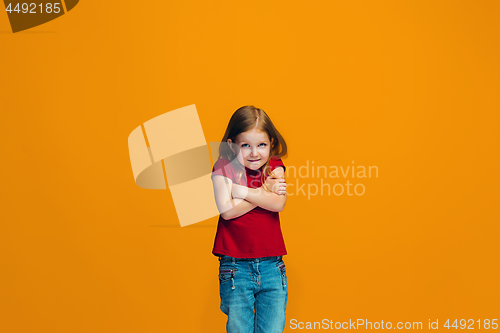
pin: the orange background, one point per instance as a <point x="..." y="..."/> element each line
<point x="410" y="87"/>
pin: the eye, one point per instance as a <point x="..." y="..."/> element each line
<point x="263" y="144"/>
<point x="244" y="145"/>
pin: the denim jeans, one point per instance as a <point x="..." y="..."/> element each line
<point x="253" y="294"/>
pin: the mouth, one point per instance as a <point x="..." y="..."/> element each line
<point x="251" y="161"/>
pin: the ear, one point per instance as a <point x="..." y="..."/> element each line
<point x="230" y="144"/>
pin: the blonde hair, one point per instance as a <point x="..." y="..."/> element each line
<point x="245" y="119"/>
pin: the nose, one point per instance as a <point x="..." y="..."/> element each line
<point x="253" y="153"/>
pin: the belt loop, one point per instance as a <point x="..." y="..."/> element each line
<point x="234" y="260"/>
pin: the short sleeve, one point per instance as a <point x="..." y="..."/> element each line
<point x="224" y="168"/>
<point x="274" y="163"/>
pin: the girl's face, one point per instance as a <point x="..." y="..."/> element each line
<point x="252" y="148"/>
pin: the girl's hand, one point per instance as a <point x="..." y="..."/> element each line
<point x="276" y="185"/>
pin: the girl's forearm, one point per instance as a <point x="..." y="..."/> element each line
<point x="260" y="197"/>
<point x="240" y="207"/>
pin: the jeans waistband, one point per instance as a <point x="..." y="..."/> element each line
<point x="231" y="259"/>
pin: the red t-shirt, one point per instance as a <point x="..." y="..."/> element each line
<point x="255" y="234"/>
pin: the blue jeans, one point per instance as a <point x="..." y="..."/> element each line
<point x="253" y="294"/>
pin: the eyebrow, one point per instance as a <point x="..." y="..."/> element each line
<point x="266" y="141"/>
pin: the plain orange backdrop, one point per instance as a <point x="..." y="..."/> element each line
<point x="409" y="87"/>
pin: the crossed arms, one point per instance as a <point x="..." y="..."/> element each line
<point x="234" y="200"/>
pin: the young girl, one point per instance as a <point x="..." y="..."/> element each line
<point x="250" y="191"/>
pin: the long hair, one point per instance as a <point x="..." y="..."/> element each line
<point x="244" y="119"/>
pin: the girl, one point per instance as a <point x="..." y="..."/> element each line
<point x="250" y="191"/>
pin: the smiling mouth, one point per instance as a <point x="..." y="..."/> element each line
<point x="253" y="160"/>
